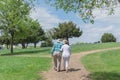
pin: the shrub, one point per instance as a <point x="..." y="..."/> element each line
<point x="108" y="37"/>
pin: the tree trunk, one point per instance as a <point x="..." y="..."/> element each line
<point x="7" y="46"/>
<point x="23" y="45"/>
<point x="12" y="36"/>
<point x="35" y="45"/>
<point x="26" y="45"/>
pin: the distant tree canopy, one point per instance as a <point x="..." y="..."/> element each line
<point x="47" y="43"/>
<point x="85" y="7"/>
<point x="108" y="37"/>
<point x="12" y="12"/>
<point x="66" y="30"/>
<point x="16" y="25"/>
<point x="33" y="33"/>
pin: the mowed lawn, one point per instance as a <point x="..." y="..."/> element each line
<point x="80" y="47"/>
<point x="103" y="65"/>
<point x="27" y="64"/>
<point x="23" y="67"/>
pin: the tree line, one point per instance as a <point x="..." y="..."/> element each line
<point x="17" y="27"/>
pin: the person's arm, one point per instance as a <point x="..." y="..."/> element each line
<point x="53" y="49"/>
<point x="70" y="50"/>
<point x="61" y="48"/>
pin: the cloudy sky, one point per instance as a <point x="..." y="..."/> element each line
<point x="49" y="17"/>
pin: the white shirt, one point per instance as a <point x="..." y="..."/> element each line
<point x="66" y="50"/>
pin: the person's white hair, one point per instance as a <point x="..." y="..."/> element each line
<point x="66" y="42"/>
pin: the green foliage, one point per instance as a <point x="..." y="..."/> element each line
<point x="103" y="65"/>
<point x="84" y="7"/>
<point x="34" y="33"/>
<point x="12" y="12"/>
<point x="5" y="40"/>
<point x="47" y="43"/>
<point x="15" y="21"/>
<point x="38" y="34"/>
<point x="108" y="37"/>
<point x="66" y="30"/>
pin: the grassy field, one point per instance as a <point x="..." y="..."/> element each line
<point x="33" y="61"/>
<point x="87" y="47"/>
<point x="28" y="51"/>
<point x="76" y="48"/>
<point x="24" y="67"/>
<point x="104" y="65"/>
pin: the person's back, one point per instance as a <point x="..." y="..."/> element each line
<point x="56" y="53"/>
<point x="66" y="50"/>
<point x="66" y="54"/>
<point x="56" y="47"/>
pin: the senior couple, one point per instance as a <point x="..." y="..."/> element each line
<point x="61" y="50"/>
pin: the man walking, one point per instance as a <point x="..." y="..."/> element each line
<point x="56" y="54"/>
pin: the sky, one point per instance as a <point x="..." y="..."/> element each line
<point x="49" y="17"/>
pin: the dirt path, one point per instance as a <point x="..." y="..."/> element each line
<point x="77" y="70"/>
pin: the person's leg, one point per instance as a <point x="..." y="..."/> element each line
<point x="55" y="62"/>
<point x="58" y="62"/>
<point x="63" y="63"/>
<point x="67" y="63"/>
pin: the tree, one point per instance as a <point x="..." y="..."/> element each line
<point x="108" y="37"/>
<point x="37" y="35"/>
<point x="85" y="7"/>
<point x="5" y="39"/>
<point x="33" y="33"/>
<point x="66" y="30"/>
<point x="12" y="12"/>
<point x="48" y="40"/>
<point x="47" y="43"/>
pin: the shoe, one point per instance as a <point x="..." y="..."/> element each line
<point x="63" y="70"/>
<point x="67" y="71"/>
<point x="58" y="70"/>
<point x="55" y="69"/>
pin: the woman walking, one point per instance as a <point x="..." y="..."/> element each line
<point x="66" y="55"/>
<point x="56" y="54"/>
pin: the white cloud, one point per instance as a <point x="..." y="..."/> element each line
<point x="102" y="15"/>
<point x="104" y="23"/>
<point x="91" y="32"/>
<point x="101" y="29"/>
<point x="46" y="19"/>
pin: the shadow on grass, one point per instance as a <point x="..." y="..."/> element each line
<point x="105" y="76"/>
<point x="22" y="52"/>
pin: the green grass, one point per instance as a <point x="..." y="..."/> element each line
<point x="28" y="51"/>
<point x="104" y="65"/>
<point x="76" y="48"/>
<point x="23" y="68"/>
<point x="29" y="68"/>
<point x="79" y="47"/>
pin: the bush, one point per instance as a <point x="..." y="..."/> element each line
<point x="108" y="37"/>
<point x="43" y="44"/>
<point x="47" y="43"/>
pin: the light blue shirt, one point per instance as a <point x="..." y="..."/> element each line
<point x="56" y="47"/>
